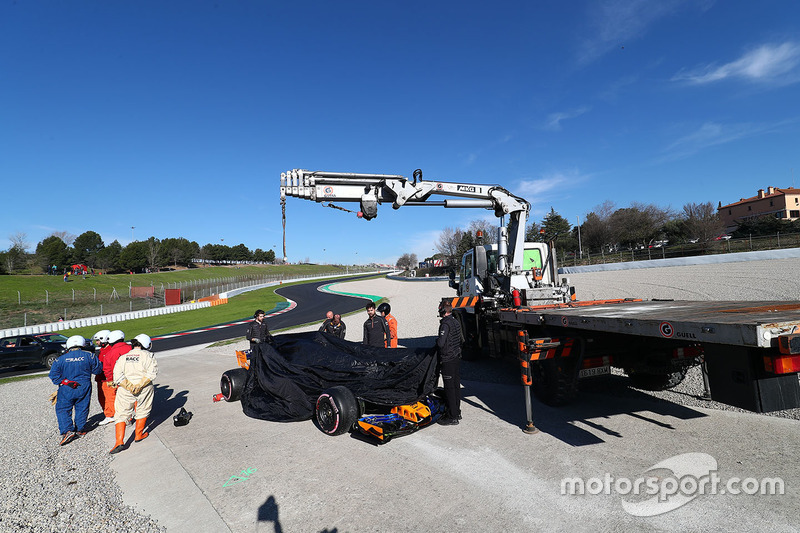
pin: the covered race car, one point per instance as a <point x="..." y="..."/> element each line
<point x="378" y="392"/>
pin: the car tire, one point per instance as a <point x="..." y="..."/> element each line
<point x="49" y="359"/>
<point x="336" y="410"/>
<point x="232" y="384"/>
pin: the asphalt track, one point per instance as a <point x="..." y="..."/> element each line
<point x="307" y="304"/>
<point x="311" y="304"/>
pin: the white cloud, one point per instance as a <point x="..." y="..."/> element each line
<point x="767" y="63"/>
<point x="614" y="23"/>
<point x="554" y="120"/>
<point x="715" y="134"/>
<point x="549" y="182"/>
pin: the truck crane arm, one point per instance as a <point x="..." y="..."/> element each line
<point x="371" y="190"/>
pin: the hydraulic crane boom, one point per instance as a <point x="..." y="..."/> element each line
<point x="370" y="190"/>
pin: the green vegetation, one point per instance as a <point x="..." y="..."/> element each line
<point x="3" y="381"/>
<point x="42" y="299"/>
<point x="238" y="308"/>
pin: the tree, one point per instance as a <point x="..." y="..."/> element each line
<point x="16" y="255"/>
<point x="240" y="252"/>
<point x="532" y="232"/>
<point x="152" y="250"/>
<point x="557" y="228"/>
<point x="639" y="224"/>
<point x="108" y="257"/>
<point x="596" y="229"/>
<point x="65" y="236"/>
<point x="447" y="244"/>
<point x="261" y="256"/>
<point x="85" y="248"/>
<point x="52" y="251"/>
<point x="488" y="228"/>
<point x="700" y="221"/>
<point x="466" y="243"/>
<point x="134" y="256"/>
<point x="407" y="261"/>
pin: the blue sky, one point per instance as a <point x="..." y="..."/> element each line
<point x="178" y="117"/>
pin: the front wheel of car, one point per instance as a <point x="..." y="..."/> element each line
<point x="336" y="410"/>
<point x="49" y="359"/>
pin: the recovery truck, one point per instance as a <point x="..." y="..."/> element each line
<point x="510" y="303"/>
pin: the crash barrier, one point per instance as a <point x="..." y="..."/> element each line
<point x="762" y="255"/>
<point x="54" y="327"/>
<point x="214" y="300"/>
<point x="423" y="278"/>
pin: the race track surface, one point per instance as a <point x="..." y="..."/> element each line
<point x="311" y="306"/>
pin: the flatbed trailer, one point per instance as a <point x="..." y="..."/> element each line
<point x="735" y="323"/>
<point x="750" y="350"/>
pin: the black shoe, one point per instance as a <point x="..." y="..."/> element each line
<point x="447" y="421"/>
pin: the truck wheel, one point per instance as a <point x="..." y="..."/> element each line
<point x="336" y="410"/>
<point x="470" y="351"/>
<point x="232" y="384"/>
<point x="656" y="382"/>
<point x="49" y="359"/>
<point x="555" y="381"/>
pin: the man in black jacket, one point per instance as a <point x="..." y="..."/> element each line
<point x="449" y="344"/>
<point x="257" y="331"/>
<point x="376" y="330"/>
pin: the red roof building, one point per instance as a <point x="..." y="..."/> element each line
<point x="779" y="203"/>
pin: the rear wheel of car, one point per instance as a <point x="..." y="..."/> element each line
<point x="49" y="359"/>
<point x="336" y="410"/>
<point x="232" y="384"/>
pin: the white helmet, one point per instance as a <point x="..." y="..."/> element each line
<point x="76" y="341"/>
<point x="101" y="336"/>
<point x="115" y="336"/>
<point x="144" y="340"/>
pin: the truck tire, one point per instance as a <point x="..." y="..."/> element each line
<point x="49" y="359"/>
<point x="232" y="383"/>
<point x="555" y="381"/>
<point x="470" y="349"/>
<point x="656" y="382"/>
<point x="336" y="410"/>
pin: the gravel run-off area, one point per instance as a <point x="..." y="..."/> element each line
<point x="47" y="487"/>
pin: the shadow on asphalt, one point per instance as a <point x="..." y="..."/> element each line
<point x="598" y="399"/>
<point x="166" y="403"/>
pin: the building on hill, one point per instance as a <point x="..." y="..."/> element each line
<point x="780" y="203"/>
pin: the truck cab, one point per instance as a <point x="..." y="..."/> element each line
<point x="479" y="273"/>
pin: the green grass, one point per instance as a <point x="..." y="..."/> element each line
<point x="28" y="300"/>
<point x="237" y="308"/>
<point x="33" y="287"/>
<point x="3" y="381"/>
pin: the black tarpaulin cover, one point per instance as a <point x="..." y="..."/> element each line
<point x="284" y="380"/>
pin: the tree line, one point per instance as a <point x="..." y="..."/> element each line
<point x="609" y="229"/>
<point x="63" y="250"/>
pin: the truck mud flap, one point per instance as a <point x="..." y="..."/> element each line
<point x="737" y="377"/>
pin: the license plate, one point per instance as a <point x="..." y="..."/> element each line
<point x="596" y="371"/>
